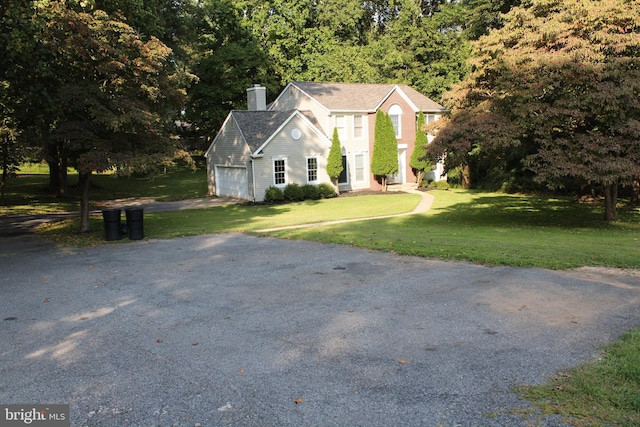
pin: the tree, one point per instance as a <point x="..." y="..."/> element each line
<point x="384" y="162"/>
<point x="418" y="161"/>
<point x="227" y="60"/>
<point x="114" y="97"/>
<point x="557" y="88"/>
<point x="334" y="161"/>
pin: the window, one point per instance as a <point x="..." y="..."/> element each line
<point x="344" y="176"/>
<point x="430" y="118"/>
<point x="312" y="169"/>
<point x="358" y="128"/>
<point x="339" y="123"/>
<point x="360" y="173"/>
<point x="279" y="172"/>
<point x="395" y="113"/>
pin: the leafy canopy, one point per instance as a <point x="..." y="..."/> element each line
<point x="557" y="88"/>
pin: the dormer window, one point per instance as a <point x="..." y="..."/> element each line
<point x="395" y="113"/>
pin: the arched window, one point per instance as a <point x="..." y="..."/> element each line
<point x="395" y="113"/>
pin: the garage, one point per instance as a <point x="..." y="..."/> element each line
<point x="232" y="181"/>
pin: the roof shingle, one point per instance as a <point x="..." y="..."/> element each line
<point x="361" y="96"/>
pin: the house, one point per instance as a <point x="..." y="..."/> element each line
<point x="289" y="141"/>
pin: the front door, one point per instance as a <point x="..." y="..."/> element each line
<point x="400" y="177"/>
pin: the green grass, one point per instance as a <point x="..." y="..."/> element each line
<point x="240" y="218"/>
<point x="497" y="229"/>
<point x="603" y="393"/>
<point x="28" y="193"/>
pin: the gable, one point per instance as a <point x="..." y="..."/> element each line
<point x="307" y="121"/>
<point x="258" y="126"/>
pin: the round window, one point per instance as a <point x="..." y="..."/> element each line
<point x="296" y="134"/>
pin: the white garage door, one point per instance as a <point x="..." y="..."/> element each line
<point x="232" y="182"/>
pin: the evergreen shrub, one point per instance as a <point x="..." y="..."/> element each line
<point x="293" y="193"/>
<point x="274" y="195"/>
<point x="310" y="192"/>
<point x="327" y="191"/>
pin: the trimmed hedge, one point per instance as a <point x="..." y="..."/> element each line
<point x="296" y="193"/>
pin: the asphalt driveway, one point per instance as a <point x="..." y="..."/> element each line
<point x="238" y="330"/>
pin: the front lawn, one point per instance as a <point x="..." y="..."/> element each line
<point x="240" y="218"/>
<point x="497" y="229"/>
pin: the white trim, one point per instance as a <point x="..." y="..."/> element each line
<point x="288" y="87"/>
<point x="365" y="168"/>
<point x="402" y="95"/>
<point x="362" y="126"/>
<point x="224" y="124"/>
<point x="285" y="159"/>
<point x="217" y="167"/>
<point x="296" y="113"/>
<point x="343" y="129"/>
<point x="398" y="112"/>
<point x="317" y="159"/>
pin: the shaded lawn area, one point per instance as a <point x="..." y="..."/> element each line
<point x="239" y="218"/>
<point x="497" y="229"/>
<point x="29" y="193"/>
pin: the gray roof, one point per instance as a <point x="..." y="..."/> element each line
<point x="258" y="126"/>
<point x="362" y="96"/>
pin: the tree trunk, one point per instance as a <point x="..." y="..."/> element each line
<point x="57" y="160"/>
<point x="5" y="167"/>
<point x="610" y="202"/>
<point x="337" y="184"/>
<point x="466" y="177"/>
<point x="419" y="177"/>
<point x="84" y="180"/>
<point x="383" y="181"/>
<point x="635" y="191"/>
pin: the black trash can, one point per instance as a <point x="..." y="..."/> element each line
<point x="112" y="225"/>
<point x="135" y="217"/>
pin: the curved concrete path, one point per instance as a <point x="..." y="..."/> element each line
<point x="26" y="224"/>
<point x="423" y="206"/>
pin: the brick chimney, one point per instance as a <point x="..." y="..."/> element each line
<point x="257" y="98"/>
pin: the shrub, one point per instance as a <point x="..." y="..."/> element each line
<point x="326" y="191"/>
<point x="273" y="195"/>
<point x="310" y="192"/>
<point x="293" y="193"/>
<point x="438" y="185"/>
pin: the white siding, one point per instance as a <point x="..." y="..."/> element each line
<point x="233" y="152"/>
<point x="295" y="153"/>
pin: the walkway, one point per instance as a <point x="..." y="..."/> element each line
<point x="26" y="224"/>
<point x="423" y="206"/>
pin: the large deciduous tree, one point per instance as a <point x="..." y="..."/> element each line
<point x="114" y="96"/>
<point x="557" y="88"/>
<point x="227" y="60"/>
<point x="384" y="161"/>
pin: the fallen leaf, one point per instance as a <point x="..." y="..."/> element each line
<point x="241" y="371"/>
<point x="298" y="400"/>
<point x="158" y="340"/>
<point x="350" y="311"/>
<point x="402" y="361"/>
<point x="46" y="300"/>
<point x="195" y="343"/>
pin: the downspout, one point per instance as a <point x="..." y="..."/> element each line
<point x="253" y="179"/>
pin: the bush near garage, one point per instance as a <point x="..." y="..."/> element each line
<point x="297" y="193"/>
